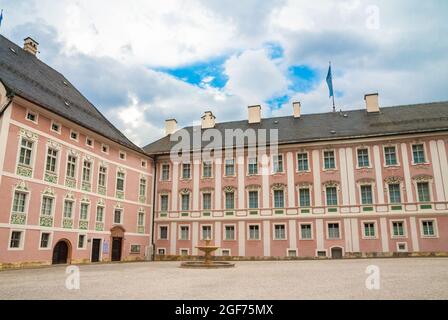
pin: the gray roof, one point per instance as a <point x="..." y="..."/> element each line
<point x="28" y="77"/>
<point x="426" y="117"/>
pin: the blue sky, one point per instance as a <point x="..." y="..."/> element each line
<point x="142" y="62"/>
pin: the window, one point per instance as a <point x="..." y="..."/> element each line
<point x="89" y="142"/>
<point x="253" y="199"/>
<point x="164" y="202"/>
<point x="402" y="246"/>
<point x="369" y="229"/>
<point x="120" y="181"/>
<point x="305" y="232"/>
<point x="118" y="216"/>
<point x="47" y="206"/>
<point x="142" y="188"/>
<point x="86" y="171"/>
<point x="68" y="209"/>
<point x="225" y="252"/>
<point x="45" y="240"/>
<point x="135" y="248"/>
<point x="19" y="202"/>
<point x="81" y="241"/>
<point x="56" y="127"/>
<point x="71" y="166"/>
<point x="279" y="232"/>
<point x="252" y="166"/>
<point x="230" y="200"/>
<point x="390" y="156"/>
<point x="292" y="253"/>
<point x="394" y="193"/>
<point x="140" y="218"/>
<point x="254" y="232"/>
<point x="165" y="172"/>
<point x="423" y="192"/>
<point x="304" y="197"/>
<point x="230" y="167"/>
<point x="333" y="231"/>
<point x="428" y="228"/>
<point x="184" y="252"/>
<point x="143" y="163"/>
<point x="206" y="201"/>
<point x="207" y="169"/>
<point x="302" y="162"/>
<point x="16" y="240"/>
<point x="279" y="199"/>
<point x="278" y="163"/>
<point x="229" y="232"/>
<point x="74" y="135"/>
<point x="102" y="176"/>
<point x="26" y="150"/>
<point x="332" y="197"/>
<point x="163" y="233"/>
<point x="363" y="158"/>
<point x="99" y="214"/>
<point x="206" y="232"/>
<point x="329" y="162"/>
<point x="398" y="228"/>
<point x="366" y="194"/>
<point x="161" y="251"/>
<point x="31" y="116"/>
<point x="84" y="211"/>
<point x="184" y="232"/>
<point x="52" y="155"/>
<point x="122" y="155"/>
<point x="105" y="148"/>
<point x="185" y="202"/>
<point x="418" y="153"/>
<point x="186" y="171"/>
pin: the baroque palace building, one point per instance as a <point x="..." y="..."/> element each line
<point x="74" y="189"/>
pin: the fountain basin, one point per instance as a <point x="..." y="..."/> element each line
<point x="204" y="265"/>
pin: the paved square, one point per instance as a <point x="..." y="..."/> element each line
<point x="406" y="278"/>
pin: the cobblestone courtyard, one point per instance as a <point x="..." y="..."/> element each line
<point x="406" y="278"/>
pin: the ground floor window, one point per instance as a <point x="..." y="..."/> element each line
<point x="428" y="227"/>
<point x="398" y="228"/>
<point x="229" y="233"/>
<point x="206" y="232"/>
<point x="225" y="252"/>
<point x="81" y="241"/>
<point x="163" y="233"/>
<point x="305" y="232"/>
<point x="45" y="240"/>
<point x="333" y="231"/>
<point x="254" y="232"/>
<point x="292" y="253"/>
<point x="369" y="229"/>
<point x="135" y="248"/>
<point x="16" y="240"/>
<point x="184" y="252"/>
<point x="279" y="232"/>
<point x="184" y="232"/>
<point x="161" y="251"/>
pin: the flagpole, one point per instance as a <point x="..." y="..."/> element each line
<point x="334" y="106"/>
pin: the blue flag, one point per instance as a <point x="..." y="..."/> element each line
<point x="330" y="81"/>
<point x="1" y="18"/>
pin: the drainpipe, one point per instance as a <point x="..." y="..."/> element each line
<point x="10" y="95"/>
<point x="153" y="208"/>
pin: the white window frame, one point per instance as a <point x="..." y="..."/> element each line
<point x="22" y="239"/>
<point x="273" y="231"/>
<point x="161" y="171"/>
<point x="184" y="249"/>
<point x="273" y="163"/>
<point x="201" y="236"/>
<point x="85" y="241"/>
<point x="124" y="181"/>
<point x="57" y="124"/>
<point x="121" y="216"/>
<point x="372" y="189"/>
<point x="248" y="165"/>
<point x="92" y="140"/>
<point x="248" y="199"/>
<point x="234" y="168"/>
<point x="396" y="154"/>
<point x="106" y="176"/>
<point x="189" y="201"/>
<point x="50" y="240"/>
<point x="375" y="229"/>
<point x="77" y="135"/>
<point x="33" y="152"/>
<point x="405" y="229"/>
<point x="368" y="156"/>
<point x="248" y="231"/>
<point x="297" y="161"/>
<point x="327" y="223"/>
<point x="425" y="152"/>
<point x="405" y="244"/>
<point x="288" y="250"/>
<point x="226" y="249"/>
<point x="202" y="192"/>
<point x="167" y="232"/>
<point x="211" y="170"/>
<point x="160" y="201"/>
<point x="430" y="187"/>
<point x="105" y="146"/>
<point x="57" y="162"/>
<point x="435" y="226"/>
<point x="143" y="163"/>
<point x="335" y="160"/>
<point x="310" y="191"/>
<point x="122" y="155"/>
<point x="182" y="171"/>
<point x="160" y="254"/>
<point x="36" y="115"/>
<point x="180" y="232"/>
<point x="300" y="231"/>
<point x="76" y="167"/>
<point x="400" y="184"/>
<point x="224" y="235"/>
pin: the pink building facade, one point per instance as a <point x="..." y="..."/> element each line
<point x="371" y="195"/>
<point x="69" y="192"/>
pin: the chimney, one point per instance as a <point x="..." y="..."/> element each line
<point x="170" y="126"/>
<point x="372" y="102"/>
<point x="254" y="114"/>
<point x="208" y="120"/>
<point x="30" y="45"/>
<point x="296" y="109"/>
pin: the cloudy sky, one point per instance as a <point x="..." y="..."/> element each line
<point x="141" y="62"/>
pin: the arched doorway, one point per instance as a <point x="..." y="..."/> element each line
<point x="62" y="252"/>
<point x="336" y="253"/>
<point x="117" y="236"/>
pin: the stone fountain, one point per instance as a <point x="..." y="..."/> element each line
<point x="208" y="262"/>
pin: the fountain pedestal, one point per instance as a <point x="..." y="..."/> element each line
<point x="208" y="262"/>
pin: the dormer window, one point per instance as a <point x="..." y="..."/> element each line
<point x="105" y="148"/>
<point x="74" y="135"/>
<point x="31" y="116"/>
<point x="55" y="127"/>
